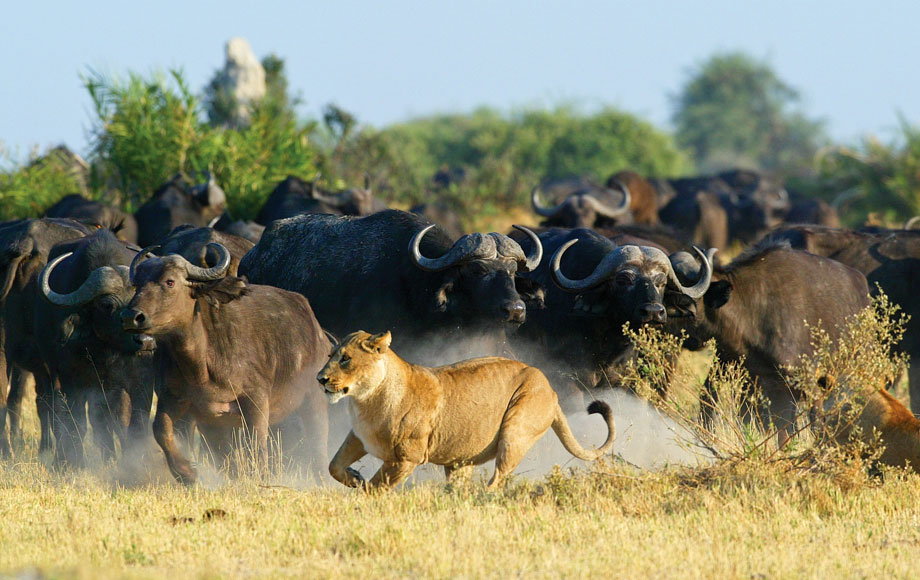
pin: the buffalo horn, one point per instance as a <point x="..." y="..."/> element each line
<point x="604" y="269"/>
<point x="541" y="209"/>
<point x="612" y="212"/>
<point x="198" y="274"/>
<point x="536" y="254"/>
<point x="104" y="280"/>
<point x="453" y="256"/>
<point x="702" y="284"/>
<point x="137" y="260"/>
<point x="909" y="224"/>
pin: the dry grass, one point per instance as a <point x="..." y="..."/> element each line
<point x="751" y="515"/>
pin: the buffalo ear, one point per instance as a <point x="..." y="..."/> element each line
<point x="222" y="291"/>
<point x="718" y="294"/>
<point x="70" y="329"/>
<point x="441" y="297"/>
<point x="531" y="292"/>
<point x="378" y="343"/>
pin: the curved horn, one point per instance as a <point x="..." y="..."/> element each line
<point x="541" y="209"/>
<point x="454" y="255"/>
<point x="536" y="254"/>
<point x="198" y="274"/>
<point x="132" y="270"/>
<point x="104" y="280"/>
<point x="601" y="272"/>
<point x="702" y="284"/>
<point x="612" y="212"/>
<point x="909" y="224"/>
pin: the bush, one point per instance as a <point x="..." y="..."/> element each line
<point x="28" y="190"/>
<point x="502" y="156"/>
<point x="146" y="130"/>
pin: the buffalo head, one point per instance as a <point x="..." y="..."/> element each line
<point x="628" y="284"/>
<point x="95" y="307"/>
<point x="479" y="274"/>
<point x="587" y="206"/>
<point x="168" y="290"/>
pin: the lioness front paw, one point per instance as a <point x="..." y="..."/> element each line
<point x="355" y="479"/>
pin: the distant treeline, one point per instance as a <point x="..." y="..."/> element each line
<point x="146" y="129"/>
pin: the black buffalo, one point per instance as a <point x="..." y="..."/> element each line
<point x="393" y="270"/>
<point x="890" y="260"/>
<point x="592" y="288"/>
<point x="238" y="355"/>
<point x="95" y="215"/>
<point x="24" y="248"/>
<point x="761" y="308"/>
<point x="294" y="196"/>
<point x="813" y="211"/>
<point x="440" y="213"/>
<point x="196" y="246"/>
<point x="581" y="203"/>
<point x="89" y="358"/>
<point x="175" y="203"/>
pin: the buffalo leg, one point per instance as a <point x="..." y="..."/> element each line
<point x="340" y="468"/>
<point x="141" y="400"/>
<point x="18" y="386"/>
<point x="168" y="409"/>
<point x="69" y="427"/>
<point x="108" y="416"/>
<point x="314" y="413"/>
<point x="216" y="442"/>
<point x="44" y="405"/>
<point x="255" y="417"/>
<point x="6" y="449"/>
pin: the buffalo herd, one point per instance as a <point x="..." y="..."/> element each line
<point x="225" y="323"/>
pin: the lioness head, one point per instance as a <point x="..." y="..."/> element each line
<point x="356" y="366"/>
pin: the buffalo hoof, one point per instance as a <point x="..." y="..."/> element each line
<point x="6" y="450"/>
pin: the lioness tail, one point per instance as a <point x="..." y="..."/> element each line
<point x="564" y="432"/>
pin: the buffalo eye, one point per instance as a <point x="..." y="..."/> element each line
<point x="170" y="283"/>
<point x="625" y="279"/>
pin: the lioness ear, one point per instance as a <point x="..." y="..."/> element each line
<point x="378" y="343"/>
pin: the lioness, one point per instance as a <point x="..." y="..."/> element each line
<point x="461" y="414"/>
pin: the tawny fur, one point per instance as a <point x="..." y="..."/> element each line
<point x="898" y="430"/>
<point x="456" y="415"/>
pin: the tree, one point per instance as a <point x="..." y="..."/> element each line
<point x="735" y="111"/>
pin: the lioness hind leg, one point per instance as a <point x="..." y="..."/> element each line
<point x="527" y="419"/>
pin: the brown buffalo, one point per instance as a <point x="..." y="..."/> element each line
<point x="238" y="355"/>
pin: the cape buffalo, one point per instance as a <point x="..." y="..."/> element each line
<point x="890" y="259"/>
<point x="813" y="211"/>
<point x="195" y="245"/>
<point x="593" y="287"/>
<point x="24" y="248"/>
<point x="176" y="203"/>
<point x="643" y="197"/>
<point x="238" y="355"/>
<point x="294" y="196"/>
<point x="393" y="270"/>
<point x="442" y="214"/>
<point x="582" y="204"/>
<point x="89" y="357"/>
<point x="761" y="308"/>
<point x="95" y="215"/>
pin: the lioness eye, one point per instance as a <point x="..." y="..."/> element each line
<point x="344" y="360"/>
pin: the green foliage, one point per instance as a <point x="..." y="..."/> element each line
<point x="503" y="156"/>
<point x="28" y="190"/>
<point x="735" y="111"/>
<point x="148" y="129"/>
<point x="876" y="181"/>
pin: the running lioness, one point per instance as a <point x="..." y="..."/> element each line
<point x="461" y="414"/>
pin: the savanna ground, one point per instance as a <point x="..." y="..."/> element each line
<point x="751" y="516"/>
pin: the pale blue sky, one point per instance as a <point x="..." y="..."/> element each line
<point x="855" y="63"/>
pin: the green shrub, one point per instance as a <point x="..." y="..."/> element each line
<point x="148" y="129"/>
<point x="28" y="190"/>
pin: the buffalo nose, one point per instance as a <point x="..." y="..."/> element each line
<point x="653" y="312"/>
<point x="514" y="311"/>
<point x="132" y="319"/>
